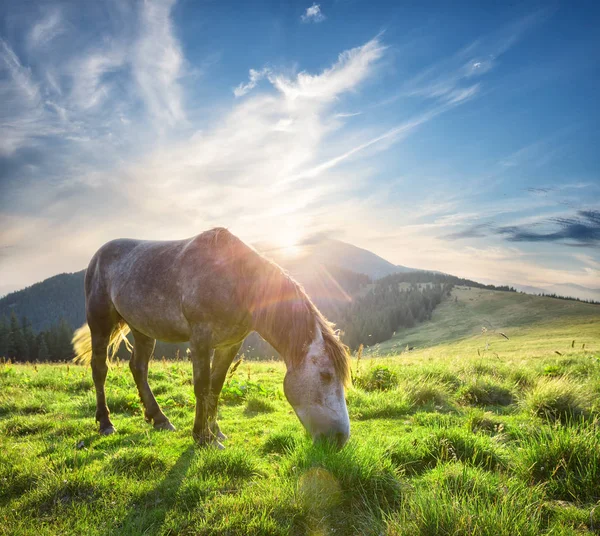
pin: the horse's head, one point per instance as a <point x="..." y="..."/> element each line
<point x="316" y="392"/>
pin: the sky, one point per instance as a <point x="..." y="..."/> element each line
<point x="452" y="136"/>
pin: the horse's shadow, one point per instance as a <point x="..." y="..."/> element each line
<point x="164" y="494"/>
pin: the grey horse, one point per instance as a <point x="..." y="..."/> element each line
<point x="211" y="290"/>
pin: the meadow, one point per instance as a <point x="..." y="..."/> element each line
<point x="481" y="435"/>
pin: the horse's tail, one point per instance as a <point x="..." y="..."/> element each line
<point x="82" y="342"/>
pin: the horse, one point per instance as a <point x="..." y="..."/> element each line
<point x="211" y="290"/>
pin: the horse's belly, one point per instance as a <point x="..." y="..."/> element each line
<point x="158" y="319"/>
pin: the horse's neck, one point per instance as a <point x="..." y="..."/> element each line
<point x="272" y="319"/>
<point x="270" y="334"/>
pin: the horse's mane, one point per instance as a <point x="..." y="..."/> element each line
<point x="279" y="304"/>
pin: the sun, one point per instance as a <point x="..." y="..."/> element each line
<point x="288" y="241"/>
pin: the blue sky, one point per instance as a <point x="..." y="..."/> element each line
<point x="452" y="136"/>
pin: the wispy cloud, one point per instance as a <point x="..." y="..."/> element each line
<point x="254" y="77"/>
<point x="20" y="75"/>
<point x="21" y="113"/>
<point x="46" y="29"/>
<point x="475" y="231"/>
<point x="230" y="169"/>
<point x="351" y="68"/>
<point x="343" y="115"/>
<point x="580" y="230"/>
<point x="90" y="74"/>
<point x="313" y="14"/>
<point x="158" y="62"/>
<point x="452" y="78"/>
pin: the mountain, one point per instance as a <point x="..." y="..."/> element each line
<point x="47" y="303"/>
<point x="335" y="252"/>
<point x="329" y="252"/>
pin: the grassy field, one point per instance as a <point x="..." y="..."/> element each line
<point x="482" y="435"/>
<point x="469" y="309"/>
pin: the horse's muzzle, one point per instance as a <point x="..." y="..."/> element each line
<point x="336" y="437"/>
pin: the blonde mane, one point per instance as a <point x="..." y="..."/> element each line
<point x="282" y="307"/>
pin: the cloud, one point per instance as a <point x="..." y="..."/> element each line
<point x="46" y="29"/>
<point x="20" y="75"/>
<point x="539" y="191"/>
<point x="313" y="14"/>
<point x="90" y="73"/>
<point x="475" y="231"/>
<point x="450" y="80"/>
<point x="95" y="94"/>
<point x="253" y="78"/>
<point x="158" y="62"/>
<point x="21" y="113"/>
<point x="227" y="174"/>
<point x="582" y="230"/>
<point x="351" y="68"/>
<point x="343" y="115"/>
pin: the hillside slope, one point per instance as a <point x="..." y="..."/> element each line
<point x="468" y="310"/>
<point x="46" y="303"/>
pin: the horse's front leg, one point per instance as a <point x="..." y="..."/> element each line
<point x="200" y="345"/>
<point x="143" y="349"/>
<point x="221" y="362"/>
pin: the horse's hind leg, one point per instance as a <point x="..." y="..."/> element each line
<point x="100" y="339"/>
<point x="143" y="349"/>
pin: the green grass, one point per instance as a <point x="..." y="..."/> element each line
<point x="452" y="439"/>
<point x="463" y="315"/>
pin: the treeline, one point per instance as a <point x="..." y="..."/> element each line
<point x="558" y="297"/>
<point x="387" y="307"/>
<point x="442" y="279"/>
<point x="19" y="342"/>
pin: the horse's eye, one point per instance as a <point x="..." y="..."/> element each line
<point x="326" y="377"/>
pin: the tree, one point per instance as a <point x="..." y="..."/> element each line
<point x="29" y="338"/>
<point x="4" y="334"/>
<point x="42" y="354"/>
<point x="17" y="345"/>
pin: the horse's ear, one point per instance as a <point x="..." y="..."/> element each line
<point x="318" y="333"/>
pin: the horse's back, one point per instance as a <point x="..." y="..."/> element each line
<point x="143" y="280"/>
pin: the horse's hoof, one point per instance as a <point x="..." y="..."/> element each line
<point x="212" y="444"/>
<point x="221" y="436"/>
<point x="166" y="425"/>
<point x="109" y="430"/>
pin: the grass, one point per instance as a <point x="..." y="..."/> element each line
<point x="462" y="317"/>
<point x="445" y="440"/>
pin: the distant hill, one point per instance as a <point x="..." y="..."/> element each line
<point x="468" y="310"/>
<point x="46" y="303"/>
<point x="568" y="290"/>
